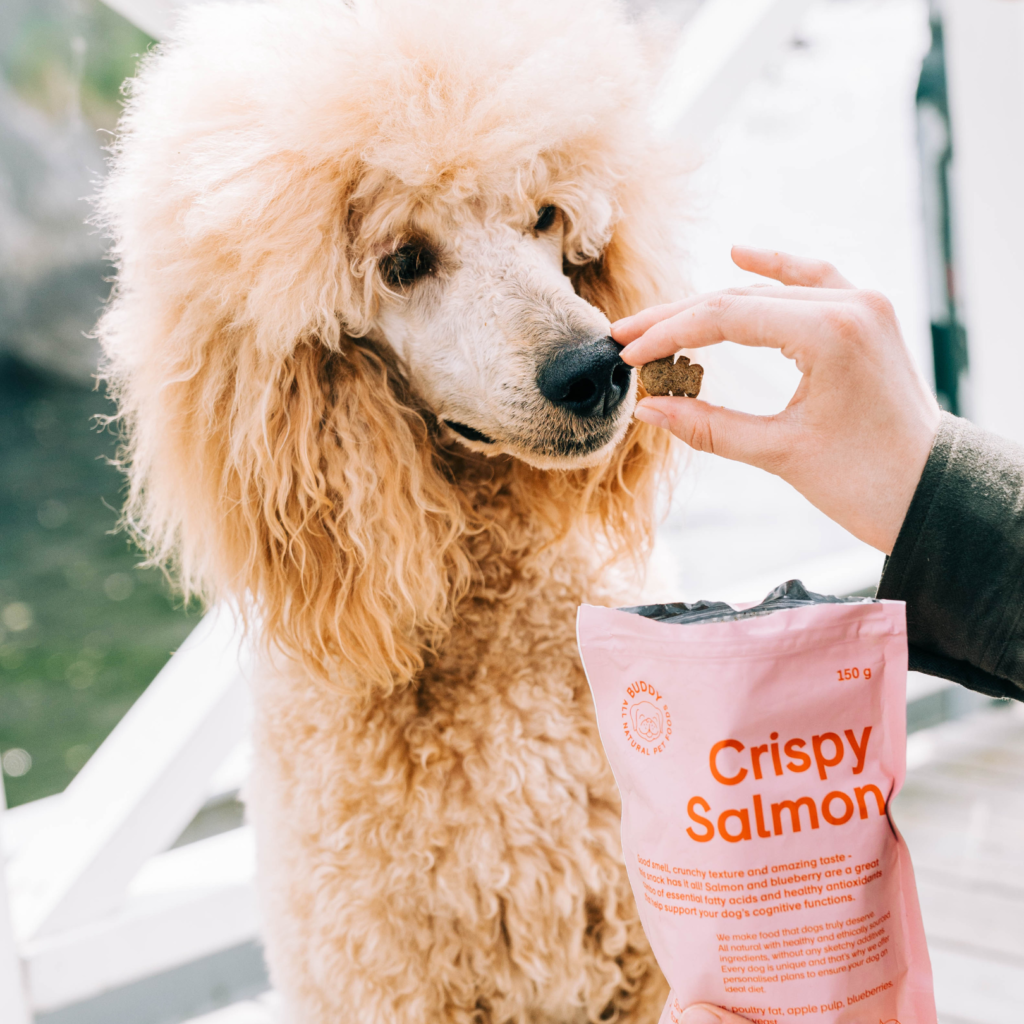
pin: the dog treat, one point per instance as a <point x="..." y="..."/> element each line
<point x="757" y="753"/>
<point x="670" y="376"/>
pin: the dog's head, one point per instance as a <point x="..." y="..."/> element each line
<point x="483" y="315"/>
<point x="355" y="239"/>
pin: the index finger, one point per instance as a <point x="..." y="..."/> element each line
<point x="755" y="321"/>
<point x="629" y="328"/>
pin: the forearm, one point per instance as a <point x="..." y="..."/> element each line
<point x="959" y="562"/>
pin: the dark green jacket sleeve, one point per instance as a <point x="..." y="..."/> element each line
<point x="959" y="562"/>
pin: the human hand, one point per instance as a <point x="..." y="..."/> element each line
<point x="855" y="436"/>
<point x="705" y="1013"/>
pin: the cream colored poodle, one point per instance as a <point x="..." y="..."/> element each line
<point x="368" y="254"/>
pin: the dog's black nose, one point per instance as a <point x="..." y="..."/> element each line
<point x="589" y="379"/>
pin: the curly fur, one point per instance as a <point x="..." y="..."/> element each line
<point x="437" y="825"/>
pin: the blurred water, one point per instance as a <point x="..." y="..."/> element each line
<point x="82" y="630"/>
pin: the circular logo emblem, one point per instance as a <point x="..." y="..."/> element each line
<point x="646" y="720"/>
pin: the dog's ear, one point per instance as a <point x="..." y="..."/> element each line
<point x="271" y="459"/>
<point x="305" y="486"/>
<point x="349" y="532"/>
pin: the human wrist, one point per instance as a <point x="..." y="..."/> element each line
<point x="911" y="469"/>
<point x="892" y="485"/>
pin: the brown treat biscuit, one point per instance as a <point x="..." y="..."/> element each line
<point x="672" y="377"/>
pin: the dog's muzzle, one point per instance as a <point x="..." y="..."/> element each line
<point x="588" y="379"/>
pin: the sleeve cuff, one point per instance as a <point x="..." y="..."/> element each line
<point x="958" y="562"/>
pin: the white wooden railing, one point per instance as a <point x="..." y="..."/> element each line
<point x="97" y="898"/>
<point x="153" y="16"/>
<point x="92" y="896"/>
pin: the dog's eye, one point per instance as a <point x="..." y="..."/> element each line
<point x="407" y="263"/>
<point x="545" y="218"/>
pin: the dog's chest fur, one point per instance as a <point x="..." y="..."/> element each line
<point x="453" y="852"/>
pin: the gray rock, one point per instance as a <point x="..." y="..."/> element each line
<point x="52" y="270"/>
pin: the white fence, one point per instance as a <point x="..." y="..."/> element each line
<point x="97" y="897"/>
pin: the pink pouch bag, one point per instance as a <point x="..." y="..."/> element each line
<point x="756" y="753"/>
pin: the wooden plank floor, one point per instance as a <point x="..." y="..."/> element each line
<point x="256" y="1011"/>
<point x="962" y="814"/>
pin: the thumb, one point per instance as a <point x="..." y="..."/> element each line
<point x="734" y="435"/>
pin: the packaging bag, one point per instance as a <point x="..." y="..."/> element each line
<point x="756" y="753"/>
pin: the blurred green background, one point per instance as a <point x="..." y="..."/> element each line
<point x="68" y="58"/>
<point x="83" y="630"/>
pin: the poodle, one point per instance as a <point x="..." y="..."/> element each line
<point x="368" y="253"/>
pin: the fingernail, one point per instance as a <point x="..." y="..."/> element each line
<point x="624" y="351"/>
<point x="700" y="1015"/>
<point x="645" y="414"/>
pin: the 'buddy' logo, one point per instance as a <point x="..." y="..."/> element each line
<point x="646" y="721"/>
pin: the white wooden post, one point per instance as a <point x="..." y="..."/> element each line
<point x="185" y="904"/>
<point x="985" y="64"/>
<point x="96" y="903"/>
<point x="724" y="47"/>
<point x="152" y="16"/>
<point x="140" y="789"/>
<point x="13" y="999"/>
<point x="155" y="17"/>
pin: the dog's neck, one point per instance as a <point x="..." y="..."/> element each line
<point x="526" y="525"/>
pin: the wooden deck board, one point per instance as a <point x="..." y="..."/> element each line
<point x="976" y="990"/>
<point x="962" y="814"/>
<point x="256" y="1011"/>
